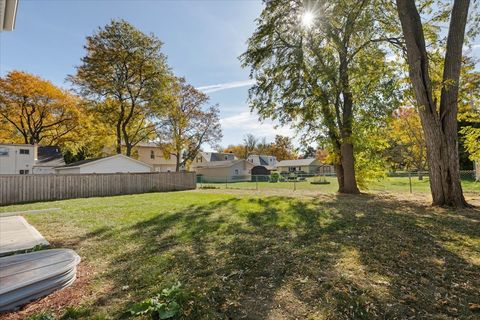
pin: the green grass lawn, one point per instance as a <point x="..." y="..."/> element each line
<point x="271" y="257"/>
<point x="392" y="184"/>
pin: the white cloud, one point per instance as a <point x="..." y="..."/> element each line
<point x="226" y="86"/>
<point x="236" y="126"/>
<point x="476" y="46"/>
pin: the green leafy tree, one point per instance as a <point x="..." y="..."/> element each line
<point x="125" y="72"/>
<point x="317" y="65"/>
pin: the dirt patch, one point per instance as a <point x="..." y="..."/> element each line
<point x="59" y="300"/>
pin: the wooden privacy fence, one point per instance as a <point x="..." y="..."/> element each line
<point x="28" y="188"/>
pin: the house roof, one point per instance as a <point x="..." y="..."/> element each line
<point x="262" y="160"/>
<point x="17" y="145"/>
<point x="221" y="164"/>
<point x="217" y="156"/>
<point x="296" y="163"/>
<point x="90" y="161"/>
<point x="49" y="156"/>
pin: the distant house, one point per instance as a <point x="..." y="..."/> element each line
<point x="152" y="154"/>
<point x="17" y="158"/>
<point x="114" y="164"/>
<point x="227" y="170"/>
<point x="263" y="165"/>
<point x="309" y="166"/>
<point x="269" y="162"/>
<point x="46" y="159"/>
<point x="206" y="157"/>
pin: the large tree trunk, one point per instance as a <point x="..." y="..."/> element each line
<point x="346" y="148"/>
<point x="340" y="177"/>
<point x="118" y="147"/>
<point x="177" y="162"/>
<point x="348" y="164"/>
<point x="440" y="127"/>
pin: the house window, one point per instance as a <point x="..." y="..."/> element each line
<point x="24" y="171"/>
<point x="199" y="159"/>
<point x="152" y="154"/>
<point x="24" y="151"/>
<point x="226" y="157"/>
<point x="3" y="152"/>
<point x="236" y="171"/>
<point x="292" y="169"/>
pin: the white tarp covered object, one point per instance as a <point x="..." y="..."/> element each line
<point x="29" y="276"/>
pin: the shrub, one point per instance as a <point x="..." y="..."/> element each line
<point x="163" y="306"/>
<point x="274" y="177"/>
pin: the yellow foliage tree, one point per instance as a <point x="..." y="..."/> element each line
<point x="36" y="111"/>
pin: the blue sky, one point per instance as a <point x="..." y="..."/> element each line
<point x="202" y="40"/>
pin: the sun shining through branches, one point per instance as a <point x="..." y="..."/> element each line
<point x="308" y="19"/>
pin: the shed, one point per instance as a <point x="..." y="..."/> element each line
<point x="114" y="164"/>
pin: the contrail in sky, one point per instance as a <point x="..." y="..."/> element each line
<point x="226" y="86"/>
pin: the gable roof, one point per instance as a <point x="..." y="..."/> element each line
<point x="49" y="156"/>
<point x="261" y="160"/>
<point x="87" y="162"/>
<point x="217" y="156"/>
<point x="298" y="162"/>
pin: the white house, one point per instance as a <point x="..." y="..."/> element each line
<point x="17" y="158"/>
<point x="114" y="164"/>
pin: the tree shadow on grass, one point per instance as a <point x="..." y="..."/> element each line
<point x="347" y="257"/>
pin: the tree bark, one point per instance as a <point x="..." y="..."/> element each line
<point x="118" y="147"/>
<point x="440" y="127"/>
<point x="346" y="148"/>
<point x="177" y="162"/>
<point x="348" y="165"/>
<point x="340" y="177"/>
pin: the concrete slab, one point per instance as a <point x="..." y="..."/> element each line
<point x="16" y="235"/>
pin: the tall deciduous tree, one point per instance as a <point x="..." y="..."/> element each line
<point x="125" y="70"/>
<point x="188" y="124"/>
<point x="316" y="73"/>
<point x="250" y="142"/>
<point x="439" y="118"/>
<point x="36" y="110"/>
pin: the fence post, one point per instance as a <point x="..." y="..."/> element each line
<point x="256" y="182"/>
<point x="295" y="184"/>
<point x="410" y="180"/>
<point x="226" y="182"/>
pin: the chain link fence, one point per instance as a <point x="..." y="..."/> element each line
<point x="409" y="182"/>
